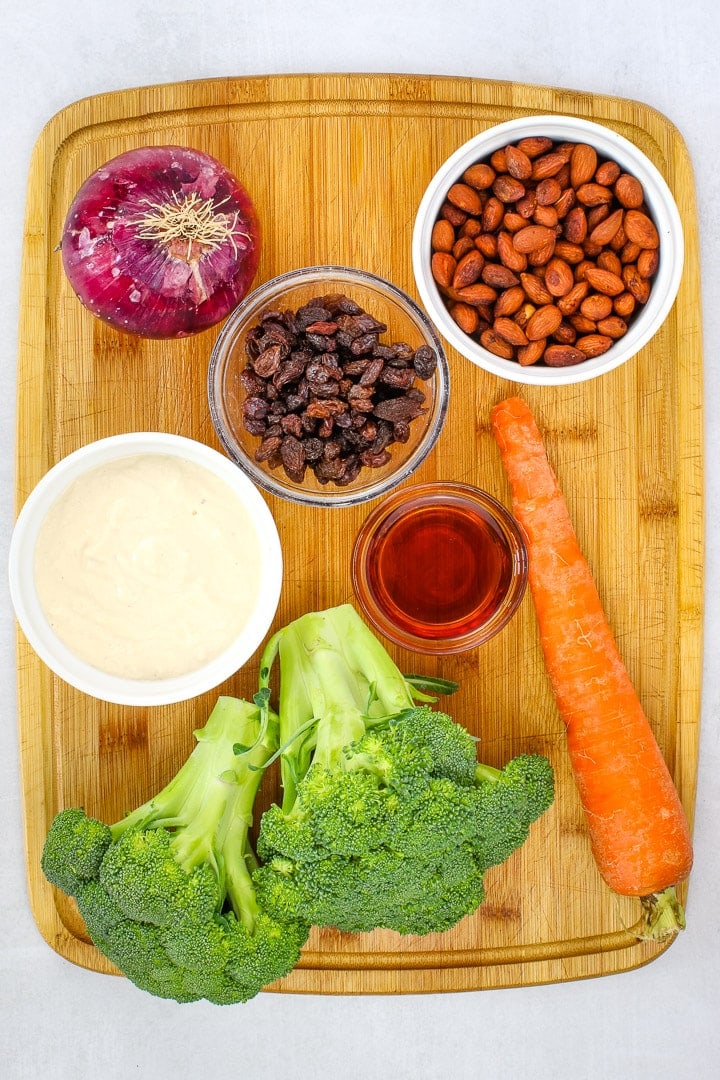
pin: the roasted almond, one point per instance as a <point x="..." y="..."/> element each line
<point x="594" y="344"/>
<point x="468" y="269"/>
<point x="507" y="189"/>
<point x="582" y="324"/>
<point x="565" y="203"/>
<point x="466" y="317"/>
<point x="487" y="243"/>
<point x="542" y="255"/>
<point x="510" y="331"/>
<point x="443" y="235"/>
<point x="583" y="163"/>
<point x="509" y="301"/>
<point x="548" y="165"/>
<point x="533" y="237"/>
<point x="608" y="260"/>
<point x="565" y="334"/>
<point x="544" y="322"/>
<point x="559" y="278"/>
<point x="499" y="277"/>
<point x="624" y="305"/>
<point x="492" y="214"/>
<point x="605" y="231"/>
<point x="640" y="230"/>
<point x="629" y="191"/>
<point x="535" y="289"/>
<point x="547" y="216"/>
<point x="462" y="246"/>
<point x="496" y="345"/>
<point x="479" y="176"/>
<point x="571" y="301"/>
<point x="597" y="306"/>
<point x="534" y="145"/>
<point x="604" y="281"/>
<point x="443" y="266"/>
<point x="575" y="227"/>
<point x="465" y="198"/>
<point x="532" y="352"/>
<point x="647" y="262"/>
<point x="508" y="254"/>
<point x="479" y="295"/>
<point x="563" y="356"/>
<point x="593" y="194"/>
<point x="635" y="284"/>
<point x="571" y="253"/>
<point x="613" y="326"/>
<point x="518" y="163"/>
<point x="548" y="191"/>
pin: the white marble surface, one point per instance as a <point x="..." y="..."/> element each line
<point x="64" y="1023"/>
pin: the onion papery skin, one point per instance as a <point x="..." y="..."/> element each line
<point x="125" y="266"/>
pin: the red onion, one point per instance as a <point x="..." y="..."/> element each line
<point x="161" y="241"/>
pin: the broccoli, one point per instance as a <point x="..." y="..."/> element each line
<point x="387" y="820"/>
<point x="167" y="893"/>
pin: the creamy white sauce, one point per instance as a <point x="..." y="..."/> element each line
<point x="148" y="567"/>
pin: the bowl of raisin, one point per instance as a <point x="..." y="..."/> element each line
<point x="328" y="386"/>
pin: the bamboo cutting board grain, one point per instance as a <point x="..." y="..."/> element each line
<point x="337" y="165"/>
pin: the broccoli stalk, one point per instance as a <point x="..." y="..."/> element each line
<point x="167" y="892"/>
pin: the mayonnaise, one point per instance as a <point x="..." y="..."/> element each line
<point x="148" y="567"/>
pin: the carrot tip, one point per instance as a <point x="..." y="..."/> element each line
<point x="663" y="915"/>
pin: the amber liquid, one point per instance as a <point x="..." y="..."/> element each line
<point x="439" y="572"/>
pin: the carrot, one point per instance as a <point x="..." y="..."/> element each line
<point x="638" y="830"/>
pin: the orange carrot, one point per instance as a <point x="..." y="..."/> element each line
<point x="638" y="830"/>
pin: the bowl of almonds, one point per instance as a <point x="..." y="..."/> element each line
<point x="328" y="386"/>
<point x="548" y="250"/>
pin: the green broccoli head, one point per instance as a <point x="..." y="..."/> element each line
<point x="166" y="893"/>
<point x="510" y="800"/>
<point x="74" y="849"/>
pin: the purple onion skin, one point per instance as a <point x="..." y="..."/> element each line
<point x="155" y="287"/>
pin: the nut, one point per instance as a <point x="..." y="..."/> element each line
<point x="545" y="252"/>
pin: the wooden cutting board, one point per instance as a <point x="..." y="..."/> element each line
<point x="337" y="165"/>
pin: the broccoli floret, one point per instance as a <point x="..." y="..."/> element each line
<point x="167" y="892"/>
<point x="387" y="820"/>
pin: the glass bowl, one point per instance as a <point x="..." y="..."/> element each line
<point x="405" y="323"/>
<point x="439" y="567"/>
<point x="647" y="319"/>
<point x="156" y="558"/>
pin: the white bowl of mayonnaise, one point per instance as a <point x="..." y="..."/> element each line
<point x="145" y="568"/>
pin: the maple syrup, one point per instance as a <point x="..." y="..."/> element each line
<point x="438" y="564"/>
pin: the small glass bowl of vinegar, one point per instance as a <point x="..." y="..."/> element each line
<point x="439" y="567"/>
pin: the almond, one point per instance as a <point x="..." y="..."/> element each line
<point x="479" y="176"/>
<point x="575" y="226"/>
<point x="547" y="165"/>
<point x="518" y="163"/>
<point x="535" y="289"/>
<point x="478" y="295"/>
<point x="496" y="345"/>
<point x="544" y="322"/>
<point x="499" y="277"/>
<point x="513" y="222"/>
<point x="582" y="324"/>
<point x="462" y="246"/>
<point x="508" y="254"/>
<point x="492" y="214"/>
<point x="608" y="260"/>
<point x="548" y="191"/>
<point x="532" y="352"/>
<point x="571" y="253"/>
<point x="583" y="163"/>
<point x="465" y="198"/>
<point x="542" y="255"/>
<point x="604" y="281"/>
<point x="443" y="266"/>
<point x="563" y="356"/>
<point x="510" y="331"/>
<point x="640" y="229"/>
<point x="565" y="203"/>
<point x="613" y="326"/>
<point x="594" y="344"/>
<point x="571" y="301"/>
<point x="533" y="237"/>
<point x="526" y="206"/>
<point x="466" y="317"/>
<point x="443" y="235"/>
<point x="547" y="216"/>
<point x="453" y="214"/>
<point x="468" y="269"/>
<point x="607" y="173"/>
<point x="624" y="305"/>
<point x="507" y="189"/>
<point x="605" y="231"/>
<point x="559" y="278"/>
<point x="638" y="286"/>
<point x="534" y="145"/>
<point x="565" y="334"/>
<point x="597" y="306"/>
<point x="509" y="301"/>
<point x="629" y="191"/>
<point x="647" y="262"/>
<point x="593" y="194"/>
<point x="487" y="243"/>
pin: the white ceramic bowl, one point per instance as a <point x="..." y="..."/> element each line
<point x="31" y="615"/>
<point x="659" y="200"/>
